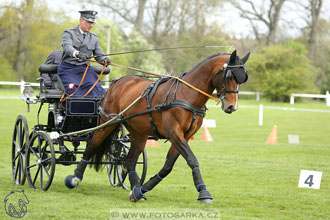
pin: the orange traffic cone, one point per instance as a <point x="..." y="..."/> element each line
<point x="206" y="135"/>
<point x="152" y="143"/>
<point x="272" y="138"/>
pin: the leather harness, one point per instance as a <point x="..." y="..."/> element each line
<point x="149" y="93"/>
<point x="151" y="90"/>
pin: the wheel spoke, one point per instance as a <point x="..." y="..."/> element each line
<point x="28" y="167"/>
<point x="39" y="145"/>
<point x="46" y="171"/>
<point x="112" y="169"/>
<point x="123" y="176"/>
<point x="35" y="154"/>
<point x="41" y="179"/>
<point x="44" y="152"/>
<point x="20" y="134"/>
<point x="17" y="156"/>
<point x="16" y="169"/>
<point x="21" y="168"/>
<point x="36" y="176"/>
<point x="114" y="174"/>
<point x="16" y="145"/>
<point x="46" y="160"/>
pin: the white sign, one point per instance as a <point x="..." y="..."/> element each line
<point x="310" y="179"/>
<point x="293" y="139"/>
<point x="209" y="123"/>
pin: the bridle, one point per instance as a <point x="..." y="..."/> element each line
<point x="227" y="71"/>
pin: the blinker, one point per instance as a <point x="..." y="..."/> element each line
<point x="228" y="75"/>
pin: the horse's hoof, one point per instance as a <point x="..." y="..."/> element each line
<point x="206" y="201"/>
<point x="72" y="181"/>
<point x="131" y="198"/>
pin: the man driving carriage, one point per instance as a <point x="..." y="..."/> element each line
<point x="78" y="45"/>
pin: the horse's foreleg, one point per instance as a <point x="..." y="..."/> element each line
<point x="184" y="149"/>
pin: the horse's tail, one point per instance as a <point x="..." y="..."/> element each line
<point x="102" y="151"/>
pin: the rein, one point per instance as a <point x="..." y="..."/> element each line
<point x="82" y="80"/>
<point x="168" y="48"/>
<point x="162" y="75"/>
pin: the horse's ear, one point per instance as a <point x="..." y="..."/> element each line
<point x="232" y="58"/>
<point x="244" y="59"/>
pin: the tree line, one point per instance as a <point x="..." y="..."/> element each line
<point x="280" y="63"/>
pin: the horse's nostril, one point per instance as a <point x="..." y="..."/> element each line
<point x="230" y="109"/>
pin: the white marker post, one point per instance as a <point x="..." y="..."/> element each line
<point x="310" y="179"/>
<point x="209" y="123"/>
<point x="293" y="139"/>
<point x="261" y="114"/>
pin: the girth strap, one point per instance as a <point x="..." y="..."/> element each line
<point x="183" y="104"/>
<point x="150" y="94"/>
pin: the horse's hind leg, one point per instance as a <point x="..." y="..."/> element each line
<point x="99" y="137"/>
<point x="171" y="157"/>
<point x="137" y="146"/>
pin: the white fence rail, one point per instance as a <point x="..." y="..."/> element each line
<point x="20" y="84"/>
<point x="257" y="94"/>
<point x="316" y="96"/>
<point x="261" y="108"/>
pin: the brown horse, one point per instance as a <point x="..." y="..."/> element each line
<point x="177" y="114"/>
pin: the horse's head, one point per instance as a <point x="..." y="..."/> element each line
<point x="228" y="79"/>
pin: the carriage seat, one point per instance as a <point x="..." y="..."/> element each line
<point x="50" y="83"/>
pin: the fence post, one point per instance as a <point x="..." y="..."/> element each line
<point x="327" y="98"/>
<point x="261" y="114"/>
<point x="292" y="99"/>
<point x="22" y="85"/>
<point x="258" y="96"/>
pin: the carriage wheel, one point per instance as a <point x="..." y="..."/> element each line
<point x="116" y="158"/>
<point x="40" y="161"/>
<point x="141" y="169"/>
<point x="20" y="141"/>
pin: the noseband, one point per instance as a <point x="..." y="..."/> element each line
<point x="227" y="75"/>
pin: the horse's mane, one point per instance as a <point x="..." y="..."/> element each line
<point x="207" y="58"/>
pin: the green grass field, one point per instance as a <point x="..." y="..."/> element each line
<point x="247" y="178"/>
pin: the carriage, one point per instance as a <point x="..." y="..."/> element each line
<point x="171" y="107"/>
<point x="36" y="153"/>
